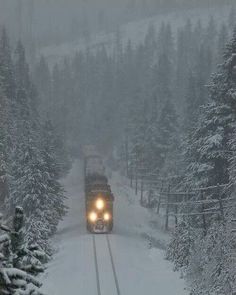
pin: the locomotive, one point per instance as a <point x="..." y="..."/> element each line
<point x="98" y="196"/>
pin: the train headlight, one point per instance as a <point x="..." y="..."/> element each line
<point x="93" y="216"/>
<point x="100" y="204"/>
<point x="107" y="216"/>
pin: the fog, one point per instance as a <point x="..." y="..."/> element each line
<point x="57" y="21"/>
<point x="149" y="86"/>
<point x="95" y="44"/>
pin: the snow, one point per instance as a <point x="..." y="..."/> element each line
<point x="4" y="239"/>
<point x="215" y="140"/>
<point x="14" y="273"/>
<point x="140" y="269"/>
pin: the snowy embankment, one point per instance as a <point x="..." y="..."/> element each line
<point x="135" y="31"/>
<point x="140" y="270"/>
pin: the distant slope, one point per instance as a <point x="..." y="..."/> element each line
<point x="135" y="31"/>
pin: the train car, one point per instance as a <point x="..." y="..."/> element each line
<point x="98" y="196"/>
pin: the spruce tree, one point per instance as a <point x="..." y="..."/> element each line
<point x="14" y="280"/>
<point x="138" y="136"/>
<point x="210" y="155"/>
<point x="191" y="103"/>
<point x="222" y="40"/>
<point x="4" y="152"/>
<point x="180" y="246"/>
<point x="232" y="18"/>
<point x="210" y="35"/>
<point x="167" y="142"/>
<point x="56" y="208"/>
<point x="7" y="109"/>
<point x="212" y="271"/>
<point x="35" y="184"/>
<point x="6" y="67"/>
<point x="208" y="144"/>
<point x="42" y="79"/>
<point x="207" y="147"/>
<point x="151" y="44"/>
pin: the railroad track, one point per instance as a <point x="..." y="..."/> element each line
<point x="112" y="263"/>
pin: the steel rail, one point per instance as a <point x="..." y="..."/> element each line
<point x="113" y="266"/>
<point x="96" y="266"/>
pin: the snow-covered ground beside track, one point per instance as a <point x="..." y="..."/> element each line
<point x="140" y="270"/>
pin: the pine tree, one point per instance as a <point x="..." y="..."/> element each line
<point x="209" y="142"/>
<point x="166" y="53"/>
<point x="151" y="44"/>
<point x="162" y="71"/>
<point x="13" y="280"/>
<point x="35" y="184"/>
<point x="43" y="82"/>
<point x="7" y="99"/>
<point x="31" y="191"/>
<point x="4" y="154"/>
<point x="180" y="246"/>
<point x="222" y="40"/>
<point x="138" y="136"/>
<point x="213" y="270"/>
<point x="6" y="67"/>
<point x="182" y="67"/>
<point x="56" y="208"/>
<point x="232" y="18"/>
<point x="20" y="153"/>
<point x="208" y="157"/>
<point x="202" y="68"/>
<point x="210" y="36"/>
<point x="30" y="167"/>
<point x="26" y="257"/>
<point x="167" y="138"/>
<point x="191" y="103"/>
<point x="210" y="151"/>
<point x="165" y="43"/>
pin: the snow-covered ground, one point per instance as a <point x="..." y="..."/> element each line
<point x="140" y="269"/>
<point x="135" y="31"/>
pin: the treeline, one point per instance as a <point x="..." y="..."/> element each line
<point x="20" y="262"/>
<point x="126" y="87"/>
<point x="32" y="157"/>
<point x="78" y="19"/>
<point x="204" y="249"/>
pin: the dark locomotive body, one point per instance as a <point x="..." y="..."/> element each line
<point x="98" y="196"/>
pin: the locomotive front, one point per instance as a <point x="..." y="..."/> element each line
<point x="100" y="212"/>
<point x="98" y="196"/>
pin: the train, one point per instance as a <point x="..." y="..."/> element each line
<point x="99" y="198"/>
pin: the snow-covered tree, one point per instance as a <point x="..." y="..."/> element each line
<point x="232" y="18"/>
<point x="55" y="206"/>
<point x="138" y="137"/>
<point x="210" y="156"/>
<point x="6" y="67"/>
<point x="4" y="155"/>
<point x="191" y="103"/>
<point x="222" y="40"/>
<point x="7" y="98"/>
<point x="27" y="155"/>
<point x="167" y="139"/>
<point x="208" y="145"/>
<point x="28" y="257"/>
<point x="212" y="271"/>
<point x="42" y="78"/>
<point x="180" y="246"/>
<point x="14" y="280"/>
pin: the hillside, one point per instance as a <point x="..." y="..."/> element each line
<point x="136" y="31"/>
